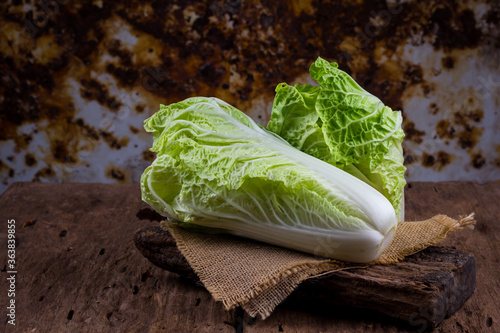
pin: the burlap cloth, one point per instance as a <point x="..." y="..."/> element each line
<point x="257" y="276"/>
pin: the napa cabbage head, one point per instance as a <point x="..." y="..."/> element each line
<point x="216" y="170"/>
<point x="344" y="125"/>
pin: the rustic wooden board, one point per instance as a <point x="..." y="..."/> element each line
<point x="79" y="270"/>
<point x="425" y="288"/>
<point x="480" y="313"/>
<point x="93" y="279"/>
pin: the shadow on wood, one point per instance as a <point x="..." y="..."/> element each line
<point x="422" y="290"/>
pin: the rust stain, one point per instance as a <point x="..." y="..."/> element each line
<point x="409" y="158"/>
<point x="438" y="161"/>
<point x="133" y="129"/>
<point x="469" y="137"/>
<point x="61" y="153"/>
<point x="413" y="74"/>
<point x="94" y="90"/>
<point x="7" y="170"/>
<point x="411" y="132"/>
<point x="118" y="174"/>
<point x="237" y="51"/>
<point x="123" y="71"/>
<point x="443" y="159"/>
<point x="477" y="160"/>
<point x="462" y="127"/>
<point x="428" y="160"/>
<point x="114" y="142"/>
<point x="46" y="172"/>
<point x="433" y="108"/>
<point x="444" y="129"/>
<point x="497" y="159"/>
<point x="448" y="62"/>
<point x="139" y="108"/>
<point x="148" y="155"/>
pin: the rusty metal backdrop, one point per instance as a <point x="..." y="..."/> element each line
<point x="79" y="78"/>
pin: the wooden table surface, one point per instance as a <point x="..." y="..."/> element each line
<point x="79" y="271"/>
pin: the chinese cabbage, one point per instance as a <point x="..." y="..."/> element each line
<point x="217" y="170"/>
<point x="342" y="124"/>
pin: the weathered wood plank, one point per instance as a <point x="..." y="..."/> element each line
<point x="57" y="274"/>
<point x="79" y="271"/>
<point x="438" y="279"/>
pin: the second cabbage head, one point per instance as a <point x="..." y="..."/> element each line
<point x="344" y="125"/>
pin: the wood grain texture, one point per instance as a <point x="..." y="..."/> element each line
<point x="93" y="279"/>
<point x="94" y="271"/>
<point x="438" y="279"/>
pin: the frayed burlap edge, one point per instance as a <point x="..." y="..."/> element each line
<point x="394" y="254"/>
<point x="271" y="291"/>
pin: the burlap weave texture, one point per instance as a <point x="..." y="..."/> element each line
<point x="257" y="276"/>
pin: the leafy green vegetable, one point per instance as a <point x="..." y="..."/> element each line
<point x="342" y="124"/>
<point x="216" y="169"/>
